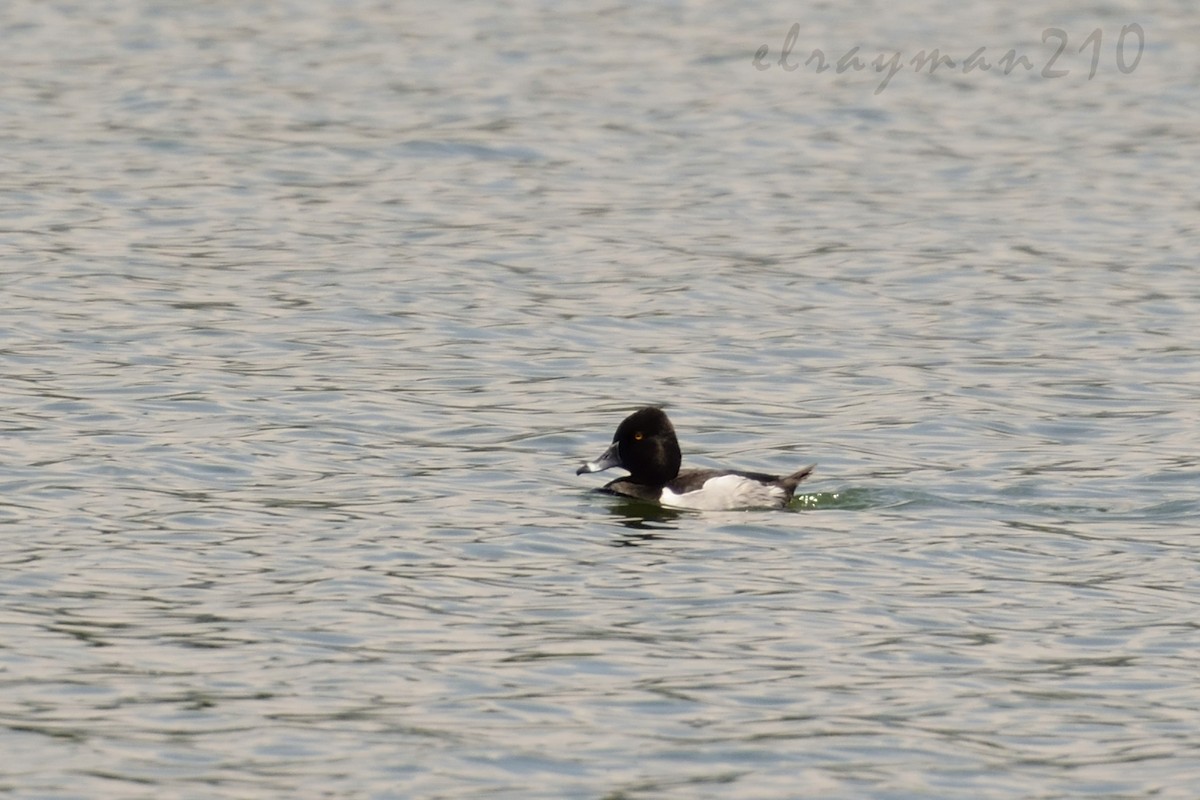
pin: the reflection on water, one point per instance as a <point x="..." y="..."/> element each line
<point x="641" y="515"/>
<point x="309" y="316"/>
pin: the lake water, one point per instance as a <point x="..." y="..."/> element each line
<point x="312" y="309"/>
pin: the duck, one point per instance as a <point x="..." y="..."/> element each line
<point x="645" y="444"/>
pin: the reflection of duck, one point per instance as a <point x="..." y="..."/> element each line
<point x="645" y="444"/>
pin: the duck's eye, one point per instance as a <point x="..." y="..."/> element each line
<point x="637" y="437"/>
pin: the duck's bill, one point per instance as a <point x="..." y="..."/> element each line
<point x="611" y="458"/>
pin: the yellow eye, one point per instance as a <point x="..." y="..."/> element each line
<point x="637" y="437"/>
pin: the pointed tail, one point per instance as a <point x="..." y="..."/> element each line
<point x="790" y="482"/>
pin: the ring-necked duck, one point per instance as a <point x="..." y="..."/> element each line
<point x="645" y="444"/>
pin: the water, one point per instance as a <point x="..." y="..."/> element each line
<point x="311" y="312"/>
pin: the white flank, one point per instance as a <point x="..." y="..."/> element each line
<point x="726" y="493"/>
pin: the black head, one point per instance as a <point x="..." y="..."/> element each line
<point x="644" y="444"/>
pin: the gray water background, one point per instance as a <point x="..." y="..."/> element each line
<point x="311" y="309"/>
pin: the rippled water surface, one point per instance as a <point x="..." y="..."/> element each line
<point x="311" y="310"/>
